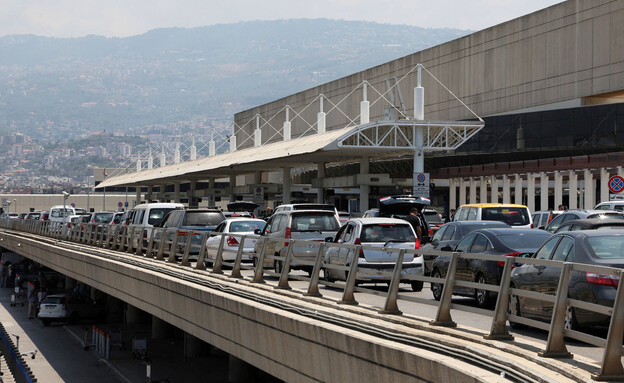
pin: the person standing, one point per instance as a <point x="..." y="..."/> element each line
<point x="414" y="219"/>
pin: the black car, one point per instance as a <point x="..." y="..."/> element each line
<point x="600" y="223"/>
<point x="593" y="247"/>
<point x="447" y="237"/>
<point x="580" y="214"/>
<point x="508" y="242"/>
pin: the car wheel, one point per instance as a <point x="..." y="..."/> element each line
<point x="570" y="319"/>
<point x="436" y="288"/>
<point x="513" y="308"/>
<point x="417" y="286"/>
<point x="254" y="261"/>
<point x="46" y="322"/>
<point x="326" y="276"/>
<point x="277" y="266"/>
<point x="483" y="297"/>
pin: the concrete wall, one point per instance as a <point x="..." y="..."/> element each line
<point x="561" y="54"/>
<point x="286" y="345"/>
<point x="98" y="201"/>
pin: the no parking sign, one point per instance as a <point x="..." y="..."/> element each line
<point x="616" y="184"/>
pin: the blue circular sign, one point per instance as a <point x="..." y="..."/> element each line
<point x="420" y="178"/>
<point x="616" y="184"/>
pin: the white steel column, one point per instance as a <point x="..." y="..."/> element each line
<point x="364" y="105"/>
<point x="558" y="189"/>
<point x="588" y="181"/>
<point x="286" y="185"/>
<point x="483" y="189"/>
<point x="364" y="189"/>
<point x="573" y="189"/>
<point x="531" y="192"/>
<point x="604" y="185"/>
<point x="462" y="191"/>
<point x="473" y="190"/>
<point x="320" y="194"/>
<point x="452" y="193"/>
<point x="544" y="180"/>
<point x="494" y="190"/>
<point x="518" y="189"/>
<point x="506" y="189"/>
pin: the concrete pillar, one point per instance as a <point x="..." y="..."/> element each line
<point x="558" y="189"/>
<point x="138" y="195"/>
<point x="573" y="187"/>
<point x="506" y="189"/>
<point x="70" y="283"/>
<point x="211" y="191"/>
<point x="148" y="195"/>
<point x="163" y="193"/>
<point x="483" y="189"/>
<point x="604" y="185"/>
<point x="494" y="189"/>
<point x="544" y="180"/>
<point x="531" y="192"/>
<point x="286" y="185"/>
<point x="320" y="196"/>
<point x="133" y="314"/>
<point x="462" y="191"/>
<point x="588" y="182"/>
<point x="232" y="187"/>
<point x="364" y="189"/>
<point x="191" y="195"/>
<point x="452" y="193"/>
<point x="176" y="192"/>
<point x="518" y="189"/>
<point x="194" y="347"/>
<point x="240" y="371"/>
<point x="160" y="328"/>
<point x="472" y="195"/>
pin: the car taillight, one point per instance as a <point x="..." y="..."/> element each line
<point x="288" y="235"/>
<point x="231" y="241"/>
<point x="64" y="308"/>
<point x="602" y="279"/>
<point x="430" y="232"/>
<point x="359" y="242"/>
<point x="69" y="225"/>
<point x="417" y="244"/>
<point x="514" y="254"/>
<point x="182" y="233"/>
<point x="550" y="217"/>
<point x="82" y="226"/>
<point x="532" y="226"/>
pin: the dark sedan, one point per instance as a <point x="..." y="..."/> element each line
<point x="580" y="214"/>
<point x="508" y="242"/>
<point x="447" y="237"/>
<point x="600" y="223"/>
<point x="594" y="247"/>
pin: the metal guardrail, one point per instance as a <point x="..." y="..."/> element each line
<point x="173" y="246"/>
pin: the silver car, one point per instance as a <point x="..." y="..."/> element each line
<point x="314" y="226"/>
<point x="382" y="233"/>
<point x="237" y="227"/>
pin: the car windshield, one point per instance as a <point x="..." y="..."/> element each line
<point x="513" y="216"/>
<point x="314" y="222"/>
<point x="609" y="247"/>
<point x="156" y="215"/>
<point x="245" y="226"/>
<point x="203" y="218"/>
<point x="433" y="217"/>
<point x="53" y="300"/>
<point x="524" y="240"/>
<point x="103" y="217"/>
<point x="387" y="232"/>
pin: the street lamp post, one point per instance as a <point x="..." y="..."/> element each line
<point x="65" y="196"/>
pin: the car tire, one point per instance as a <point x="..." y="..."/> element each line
<point x="417" y="286"/>
<point x="513" y="308"/>
<point x="570" y="319"/>
<point x="483" y="297"/>
<point x="436" y="288"/>
<point x="46" y="322"/>
<point x="326" y="276"/>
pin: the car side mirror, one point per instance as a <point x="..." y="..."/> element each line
<point x="258" y="232"/>
<point x="446" y="248"/>
<point x="542" y="227"/>
<point x="329" y="239"/>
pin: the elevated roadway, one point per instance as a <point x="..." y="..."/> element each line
<point x="299" y="338"/>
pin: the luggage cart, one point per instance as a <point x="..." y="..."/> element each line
<point x="17" y="297"/>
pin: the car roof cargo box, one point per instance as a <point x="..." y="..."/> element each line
<point x="242" y="206"/>
<point x="400" y="204"/>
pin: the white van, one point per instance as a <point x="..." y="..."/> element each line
<point x="610" y="205"/>
<point x="148" y="215"/>
<point x="57" y="215"/>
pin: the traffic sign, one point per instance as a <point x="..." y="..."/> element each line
<point x="120" y="204"/>
<point x="420" y="187"/>
<point x="616" y="184"/>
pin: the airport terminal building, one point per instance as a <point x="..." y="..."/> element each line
<point x="547" y="89"/>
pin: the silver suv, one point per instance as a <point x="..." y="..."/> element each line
<point x="312" y="225"/>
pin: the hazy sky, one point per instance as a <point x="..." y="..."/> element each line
<point x="73" y="18"/>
